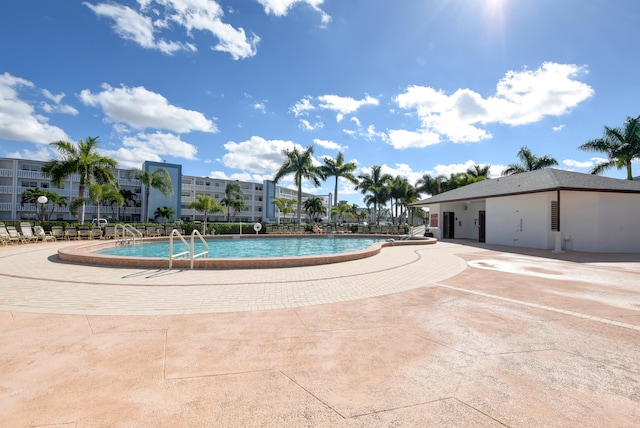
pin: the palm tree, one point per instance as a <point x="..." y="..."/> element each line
<point x="56" y="201"/>
<point x="31" y="195"/>
<point x="233" y="194"/>
<point x="237" y="205"/>
<point x="301" y="166"/>
<point x="129" y="199"/>
<point x="478" y="173"/>
<point x="621" y="145"/>
<point x="376" y="184"/>
<point x="156" y="179"/>
<point x="166" y="213"/>
<point x="206" y="204"/>
<point x="284" y="205"/>
<point x="314" y="207"/>
<point x="343" y="210"/>
<point x="430" y="185"/>
<point x="99" y="194"/>
<point x="530" y="162"/>
<point x="338" y="168"/>
<point x="399" y="189"/>
<point x="82" y="159"/>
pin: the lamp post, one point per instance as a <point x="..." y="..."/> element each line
<point x="43" y="200"/>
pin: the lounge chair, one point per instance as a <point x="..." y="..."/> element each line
<point x="109" y="232"/>
<point x="27" y="232"/>
<point x="71" y="233"/>
<point x="15" y="235"/>
<point x="42" y="235"/>
<point x="6" y="237"/>
<point x="84" y="232"/>
<point x="96" y="232"/>
<point x="57" y="232"/>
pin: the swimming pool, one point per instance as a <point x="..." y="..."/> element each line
<point x="91" y="252"/>
<point x="249" y="248"/>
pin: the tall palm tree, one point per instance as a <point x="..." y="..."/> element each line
<point x="338" y="168"/>
<point x="430" y="185"/>
<point x="82" y="159"/>
<point x="529" y="162"/>
<point x="157" y="179"/>
<point x="129" y="199"/>
<point x="206" y="204"/>
<point x="233" y="194"/>
<point x="342" y="211"/>
<point x="621" y="145"/>
<point x="300" y="164"/>
<point x="314" y="207"/>
<point x="399" y="189"/>
<point x="99" y="194"/>
<point x="285" y="206"/>
<point x="376" y="184"/>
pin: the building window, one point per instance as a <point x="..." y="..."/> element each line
<point x="433" y="220"/>
<point x="555" y="216"/>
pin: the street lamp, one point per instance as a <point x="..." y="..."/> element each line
<point x="43" y="200"/>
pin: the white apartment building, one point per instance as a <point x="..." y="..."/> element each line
<point x="18" y="175"/>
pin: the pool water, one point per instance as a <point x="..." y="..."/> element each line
<point x="250" y="248"/>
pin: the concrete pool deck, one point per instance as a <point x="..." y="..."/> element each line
<point x="451" y="334"/>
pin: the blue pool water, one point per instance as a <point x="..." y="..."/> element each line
<point x="236" y="248"/>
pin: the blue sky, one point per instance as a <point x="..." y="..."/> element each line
<point x="222" y="87"/>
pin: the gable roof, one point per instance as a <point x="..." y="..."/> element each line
<point x="542" y="180"/>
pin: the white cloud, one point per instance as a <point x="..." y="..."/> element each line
<point x="356" y="121"/>
<point x="401" y="139"/>
<point x="282" y="7"/>
<point x="302" y="107"/>
<point x="260" y="106"/>
<point x="42" y="153"/>
<point x="558" y="128"/>
<point x="305" y="125"/>
<point x="521" y="98"/>
<point x="151" y="147"/>
<point x="154" y="16"/>
<point x="18" y="119"/>
<point x="139" y="108"/>
<point x="329" y="145"/>
<point x="586" y="164"/>
<point x="341" y="105"/>
<point x="344" y="105"/>
<point x="256" y="155"/>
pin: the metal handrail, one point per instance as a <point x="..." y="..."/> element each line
<point x="189" y="252"/>
<point x="127" y="230"/>
<point x="205" y="253"/>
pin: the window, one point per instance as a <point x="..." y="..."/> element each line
<point x="433" y="220"/>
<point x="555" y="216"/>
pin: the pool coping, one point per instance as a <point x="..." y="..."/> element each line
<point x="84" y="253"/>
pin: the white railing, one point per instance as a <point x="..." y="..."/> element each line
<point x="203" y="254"/>
<point x="129" y="235"/>
<point x="190" y="247"/>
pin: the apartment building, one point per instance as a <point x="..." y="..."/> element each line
<point x="19" y="175"/>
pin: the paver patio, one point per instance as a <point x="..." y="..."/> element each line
<point x="450" y="334"/>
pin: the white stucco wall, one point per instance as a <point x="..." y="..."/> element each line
<point x="600" y="222"/>
<point x="520" y="221"/>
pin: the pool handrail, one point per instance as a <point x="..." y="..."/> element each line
<point x="127" y="229"/>
<point x="176" y="232"/>
<point x="192" y="256"/>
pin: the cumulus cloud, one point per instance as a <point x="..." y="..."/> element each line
<point x="302" y="107"/>
<point x="19" y="120"/>
<point x="257" y="154"/>
<point x="305" y="125"/>
<point x="521" y="97"/>
<point x="586" y="164"/>
<point x="140" y="108"/>
<point x="558" y="128"/>
<point x="150" y="147"/>
<point x="282" y="7"/>
<point x="42" y="153"/>
<point x="142" y="26"/>
<point x="329" y="145"/>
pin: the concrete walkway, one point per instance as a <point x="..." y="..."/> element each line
<point x="440" y="335"/>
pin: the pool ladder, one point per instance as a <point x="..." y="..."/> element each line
<point x="129" y="235"/>
<point x="190" y="247"/>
